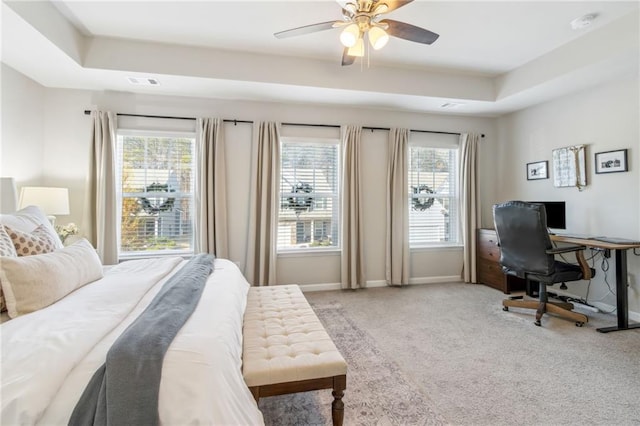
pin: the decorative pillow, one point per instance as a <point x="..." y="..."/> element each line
<point x="34" y="282"/>
<point x="37" y="242"/>
<point x="28" y="219"/>
<point x="6" y="245"/>
<point x="6" y="250"/>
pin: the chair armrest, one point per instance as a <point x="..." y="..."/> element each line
<point x="566" y="249"/>
<point x="579" y="250"/>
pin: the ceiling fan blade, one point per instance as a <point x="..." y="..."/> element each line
<point x="346" y="59"/>
<point x="394" y="4"/>
<point x="409" y="32"/>
<point x="307" y="29"/>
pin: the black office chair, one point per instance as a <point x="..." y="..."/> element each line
<point x="527" y="252"/>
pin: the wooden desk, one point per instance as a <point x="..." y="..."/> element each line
<point x="622" y="297"/>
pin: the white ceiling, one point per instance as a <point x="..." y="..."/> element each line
<point x="492" y="57"/>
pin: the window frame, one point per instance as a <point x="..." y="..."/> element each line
<point x="124" y="132"/>
<point x="422" y="142"/>
<point x="337" y="196"/>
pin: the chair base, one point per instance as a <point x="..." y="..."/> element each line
<point x="562" y="309"/>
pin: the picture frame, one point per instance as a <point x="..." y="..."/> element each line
<point x="569" y="167"/>
<point x="611" y="161"/>
<point x="538" y="170"/>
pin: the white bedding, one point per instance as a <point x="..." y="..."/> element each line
<point x="49" y="356"/>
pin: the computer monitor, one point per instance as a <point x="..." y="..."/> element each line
<point x="556" y="214"/>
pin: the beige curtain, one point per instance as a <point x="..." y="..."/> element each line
<point x="352" y="265"/>
<point x="397" y="257"/>
<point x="210" y="192"/>
<point x="469" y="203"/>
<point x="260" y="268"/>
<point x="102" y="212"/>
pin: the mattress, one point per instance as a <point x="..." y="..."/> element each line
<point x="49" y="356"/>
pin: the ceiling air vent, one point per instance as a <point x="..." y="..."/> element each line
<point x="143" y="81"/>
<point x="450" y="105"/>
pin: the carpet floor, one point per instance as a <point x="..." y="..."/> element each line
<point x="379" y="393"/>
<point x="448" y="354"/>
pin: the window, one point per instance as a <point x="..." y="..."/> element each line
<point x="156" y="191"/>
<point x="309" y="195"/>
<point x="433" y="195"/>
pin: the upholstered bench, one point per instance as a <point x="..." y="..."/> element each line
<point x="286" y="349"/>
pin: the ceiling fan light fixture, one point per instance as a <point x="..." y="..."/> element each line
<point x="350" y="35"/>
<point x="357" y="50"/>
<point x="351" y="8"/>
<point x="380" y="8"/>
<point x="378" y="37"/>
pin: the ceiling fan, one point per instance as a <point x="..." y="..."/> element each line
<point x="363" y="18"/>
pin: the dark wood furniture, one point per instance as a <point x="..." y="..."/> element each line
<point x="488" y="269"/>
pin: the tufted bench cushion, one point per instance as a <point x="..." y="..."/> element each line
<point x="286" y="349"/>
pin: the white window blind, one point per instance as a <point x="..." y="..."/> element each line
<point x="157" y="191"/>
<point x="309" y="195"/>
<point x="433" y="195"/>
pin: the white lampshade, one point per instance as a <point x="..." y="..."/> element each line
<point x="8" y="195"/>
<point x="378" y="37"/>
<point x="350" y="35"/>
<point x="357" y="50"/>
<point x="53" y="201"/>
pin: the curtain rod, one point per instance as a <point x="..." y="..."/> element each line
<point x="335" y="126"/>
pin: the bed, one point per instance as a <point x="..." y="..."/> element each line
<point x="50" y="354"/>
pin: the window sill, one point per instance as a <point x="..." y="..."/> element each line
<point x="310" y="252"/>
<point x="151" y="255"/>
<point x="439" y="247"/>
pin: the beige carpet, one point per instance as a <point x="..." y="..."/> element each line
<point x="379" y="393"/>
<point x="461" y="360"/>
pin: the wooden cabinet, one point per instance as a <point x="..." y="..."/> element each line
<point x="489" y="270"/>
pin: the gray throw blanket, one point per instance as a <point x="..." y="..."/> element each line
<point x="124" y="391"/>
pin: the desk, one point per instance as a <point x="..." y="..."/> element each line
<point x="622" y="297"/>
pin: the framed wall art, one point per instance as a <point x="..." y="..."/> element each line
<point x="569" y="166"/>
<point x="538" y="170"/>
<point x="611" y="161"/>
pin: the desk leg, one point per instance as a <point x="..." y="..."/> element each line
<point x="622" y="296"/>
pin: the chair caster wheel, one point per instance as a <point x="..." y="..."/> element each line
<point x="505" y="308"/>
<point x="538" y="323"/>
<point x="579" y="324"/>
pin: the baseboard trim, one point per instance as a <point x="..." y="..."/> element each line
<point x="633" y="316"/>
<point x="320" y="287"/>
<point x="380" y="283"/>
<point x="435" y="280"/>
<point x="604" y="307"/>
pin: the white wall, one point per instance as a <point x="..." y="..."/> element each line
<point x="605" y="118"/>
<point x="65" y="140"/>
<point x="22" y="147"/>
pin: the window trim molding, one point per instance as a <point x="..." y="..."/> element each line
<point x="455" y="196"/>
<point x="120" y="195"/>
<point x="156" y="133"/>
<point x="320" y="250"/>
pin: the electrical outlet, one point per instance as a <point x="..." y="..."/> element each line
<point x="630" y="279"/>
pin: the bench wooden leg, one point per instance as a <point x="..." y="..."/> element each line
<point x="255" y="391"/>
<point x="337" y="406"/>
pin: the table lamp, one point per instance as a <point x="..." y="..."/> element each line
<point x="53" y="201"/>
<point x="8" y="195"/>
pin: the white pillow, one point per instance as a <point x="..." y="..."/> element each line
<point x="28" y="219"/>
<point x="30" y="283"/>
